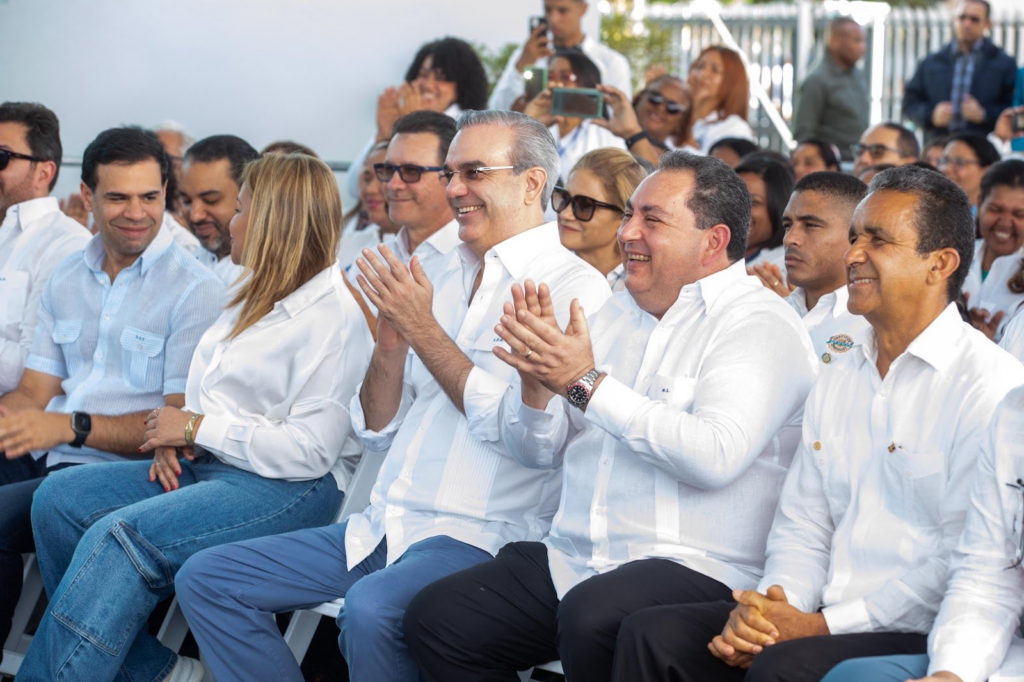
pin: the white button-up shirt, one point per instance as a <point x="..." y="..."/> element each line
<point x="586" y="137"/>
<point x="994" y="293"/>
<point x="683" y="447"/>
<point x="983" y="601"/>
<point x="617" y="278"/>
<point x="34" y="238"/>
<point x="275" y="397"/>
<point x="1013" y="337"/>
<point x="184" y="238"/>
<point x="121" y="346"/>
<point x="613" y="67"/>
<point x="833" y="329"/>
<point x="447" y="473"/>
<point x="709" y="130"/>
<point x="875" y="499"/>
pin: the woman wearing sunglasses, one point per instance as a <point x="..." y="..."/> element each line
<point x="662" y="109"/>
<point x="721" y="95"/>
<point x="356" y="236"/>
<point x="590" y="208"/>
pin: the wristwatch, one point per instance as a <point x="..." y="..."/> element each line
<point x="579" y="391"/>
<point x="81" y="424"/>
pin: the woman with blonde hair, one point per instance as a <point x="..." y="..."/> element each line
<point x="721" y="99"/>
<point x="590" y="209"/>
<point x="264" y="445"/>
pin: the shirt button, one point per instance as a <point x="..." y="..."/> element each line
<point x="139" y="346"/>
<point x="817" y="445"/>
<point x="99" y="355"/>
<point x="106" y="317"/>
<point x="821" y="462"/>
<point x="606" y="462"/>
<point x="908" y="474"/>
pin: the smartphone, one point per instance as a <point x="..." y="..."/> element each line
<point x="1017" y="122"/>
<point x="536" y="22"/>
<point x="577" y="102"/>
<point x="536" y="78"/>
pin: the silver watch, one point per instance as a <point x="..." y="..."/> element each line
<point x="579" y="391"/>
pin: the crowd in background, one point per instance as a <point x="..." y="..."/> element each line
<point x="647" y="398"/>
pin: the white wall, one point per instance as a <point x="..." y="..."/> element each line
<point x="308" y="70"/>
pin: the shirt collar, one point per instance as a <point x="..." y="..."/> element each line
<point x="26" y="215"/>
<point x="517" y="252"/>
<point x="95" y="253"/>
<point x="709" y="288"/>
<point x="303" y="297"/>
<point x="936" y="345"/>
<point x="954" y="47"/>
<point x="836" y="67"/>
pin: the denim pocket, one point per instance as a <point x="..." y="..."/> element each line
<point x="141" y="359"/>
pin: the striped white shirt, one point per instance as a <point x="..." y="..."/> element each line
<point x="121" y="347"/>
<point x="446" y="473"/>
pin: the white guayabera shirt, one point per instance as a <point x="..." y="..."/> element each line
<point x="834" y="330"/>
<point x="683" y="446"/>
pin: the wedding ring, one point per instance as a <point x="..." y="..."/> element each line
<point x="529" y="352"/>
<point x="776" y="283"/>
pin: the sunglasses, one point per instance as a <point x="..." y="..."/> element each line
<point x="673" y="108"/>
<point x="877" y="151"/>
<point x="6" y="155"/>
<point x="408" y="172"/>
<point x="469" y="174"/>
<point x="582" y="206"/>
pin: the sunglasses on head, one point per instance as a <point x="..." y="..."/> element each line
<point x="6" y="155"/>
<point x="409" y="173"/>
<point x="582" y="206"/>
<point x="673" y="108"/>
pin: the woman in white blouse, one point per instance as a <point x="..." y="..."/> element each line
<point x="590" y="208"/>
<point x="264" y="445"/>
<point x="721" y="99"/>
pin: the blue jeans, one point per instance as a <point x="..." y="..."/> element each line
<point x="879" y="669"/>
<point x="230" y="593"/>
<point x="109" y="543"/>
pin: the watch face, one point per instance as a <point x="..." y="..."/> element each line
<point x="81" y="423"/>
<point x="578" y="394"/>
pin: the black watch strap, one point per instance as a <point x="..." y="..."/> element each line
<point x="81" y="424"/>
<point x="642" y="135"/>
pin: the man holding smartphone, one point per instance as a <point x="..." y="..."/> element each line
<point x="560" y="27"/>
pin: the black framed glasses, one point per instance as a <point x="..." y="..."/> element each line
<point x="877" y="151"/>
<point x="409" y="173"/>
<point x="671" y="107"/>
<point x="583" y="207"/>
<point x="6" y="155"/>
<point x="468" y="174"/>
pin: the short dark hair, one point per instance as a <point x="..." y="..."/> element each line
<point x="124" y="146"/>
<point x="906" y="143"/>
<point x="1008" y="173"/>
<point x="288" y="147"/>
<point x="460" y="64"/>
<point x="836" y="186"/>
<point x="778" y="182"/>
<point x="875" y="169"/>
<point x="940" y="141"/>
<point x="588" y="75"/>
<point x="828" y="152"/>
<point x="719" y="196"/>
<point x="943" y="217"/>
<point x="988" y="7"/>
<point x="433" y="122"/>
<point x="739" y="145"/>
<point x="237" y="151"/>
<point x="979" y="144"/>
<point x="42" y="131"/>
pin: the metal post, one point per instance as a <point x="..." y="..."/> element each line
<point x="804" y="40"/>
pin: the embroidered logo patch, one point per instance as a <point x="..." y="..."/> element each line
<point x="840" y="343"/>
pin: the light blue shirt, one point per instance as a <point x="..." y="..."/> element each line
<point x="121" y="347"/>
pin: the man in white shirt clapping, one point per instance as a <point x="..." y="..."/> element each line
<point x="876" y="497"/>
<point x="672" y="413"/>
<point x="448" y="495"/>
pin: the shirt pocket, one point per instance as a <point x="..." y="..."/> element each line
<point x="141" y="359"/>
<point x="66" y="334"/>
<point x="677" y="392"/>
<point x="923" y="482"/>
<point x="830" y="456"/>
<point x="13" y="296"/>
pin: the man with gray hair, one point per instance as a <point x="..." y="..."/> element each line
<point x="449" y="494"/>
<point x="672" y="414"/>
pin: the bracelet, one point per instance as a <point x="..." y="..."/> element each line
<point x="189" y="440"/>
<point x="632" y="140"/>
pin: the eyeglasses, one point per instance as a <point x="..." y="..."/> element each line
<point x="968" y="17"/>
<point x="582" y="206"/>
<point x="877" y="151"/>
<point x="437" y="74"/>
<point x="673" y="108"/>
<point x="561" y="77"/>
<point x="1018" y="558"/>
<point x="408" y="172"/>
<point x="956" y="162"/>
<point x="6" y="155"/>
<point x="469" y="174"/>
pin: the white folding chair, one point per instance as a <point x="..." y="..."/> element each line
<point x="17" y="642"/>
<point x="303" y="624"/>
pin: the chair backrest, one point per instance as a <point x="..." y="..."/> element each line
<point x="357" y="496"/>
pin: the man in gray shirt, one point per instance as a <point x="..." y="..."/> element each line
<point x="833" y="102"/>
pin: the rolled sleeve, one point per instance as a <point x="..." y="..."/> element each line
<point x="481" y="399"/>
<point x="848" y="617"/>
<point x="378" y="441"/>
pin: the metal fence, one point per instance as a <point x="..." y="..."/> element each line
<point x="774" y="38"/>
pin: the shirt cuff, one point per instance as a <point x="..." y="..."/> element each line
<point x="848" y="617"/>
<point x="375" y="441"/>
<point x="965" y="664"/>
<point x="481" y="398"/>
<point x="612" y="406"/>
<point x="213" y="432"/>
<point x="47" y="366"/>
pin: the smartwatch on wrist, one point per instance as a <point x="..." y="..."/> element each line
<point x="633" y="139"/>
<point x="81" y="424"/>
<point x="578" y="392"/>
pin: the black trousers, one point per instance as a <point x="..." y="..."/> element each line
<point x="670" y="643"/>
<point x="501" y="616"/>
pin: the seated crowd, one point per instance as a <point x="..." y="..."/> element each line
<point x="650" y="400"/>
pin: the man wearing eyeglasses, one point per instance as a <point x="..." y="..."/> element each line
<point x="449" y="494"/>
<point x="562" y="28"/>
<point x="885" y="143"/>
<point x="966" y="85"/>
